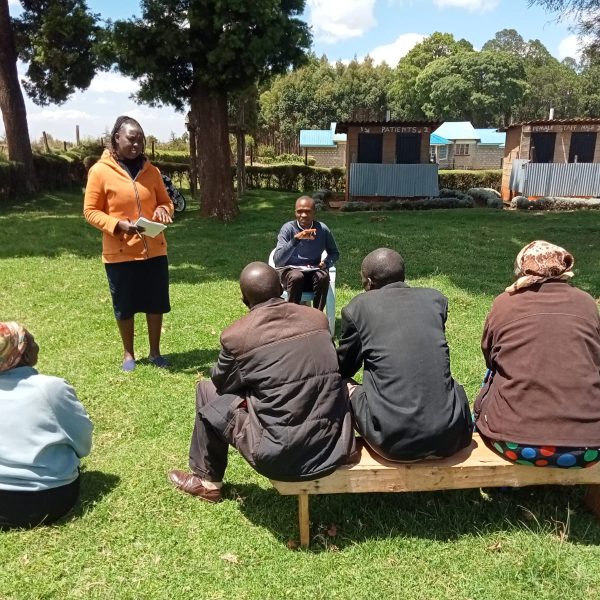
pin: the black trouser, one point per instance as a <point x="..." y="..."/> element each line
<point x="296" y="281"/>
<point x="28" y="509"/>
<point x="209" y="444"/>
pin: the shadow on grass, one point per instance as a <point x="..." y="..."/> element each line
<point x="440" y="516"/>
<point x="191" y="361"/>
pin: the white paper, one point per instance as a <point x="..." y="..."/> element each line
<point x="151" y="228"/>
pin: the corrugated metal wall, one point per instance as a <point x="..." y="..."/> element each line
<point x="551" y="179"/>
<point x="387" y="180"/>
<point x="517" y="175"/>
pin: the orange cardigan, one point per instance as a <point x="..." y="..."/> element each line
<point x="111" y="196"/>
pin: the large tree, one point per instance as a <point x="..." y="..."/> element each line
<point x="403" y="99"/>
<point x="57" y="40"/>
<point x="201" y="51"/>
<point x="482" y="87"/>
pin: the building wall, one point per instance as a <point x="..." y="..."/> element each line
<point x="511" y="152"/>
<point x="328" y="157"/>
<point x="518" y="145"/>
<point x="479" y="157"/>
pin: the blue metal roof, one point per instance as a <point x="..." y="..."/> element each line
<point x="438" y="140"/>
<point x="316" y="138"/>
<point x="457" y="130"/>
<point x="491" y="137"/>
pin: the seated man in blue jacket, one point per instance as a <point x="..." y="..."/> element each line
<point x="409" y="407"/>
<point x="300" y="244"/>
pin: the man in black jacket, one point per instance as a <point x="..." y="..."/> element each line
<point x="408" y="407"/>
<point x="276" y="395"/>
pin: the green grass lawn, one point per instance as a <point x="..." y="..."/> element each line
<point x="134" y="536"/>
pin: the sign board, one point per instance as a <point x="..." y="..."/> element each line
<point x="386" y="129"/>
<point x="587" y="127"/>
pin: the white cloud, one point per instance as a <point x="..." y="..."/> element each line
<point x="60" y="114"/>
<point x="114" y="83"/>
<point x="470" y="5"/>
<point x="335" y="20"/>
<point x="392" y="53"/>
<point x="569" y="46"/>
<point x="573" y="46"/>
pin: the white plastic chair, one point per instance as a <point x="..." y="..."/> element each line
<point x="308" y="297"/>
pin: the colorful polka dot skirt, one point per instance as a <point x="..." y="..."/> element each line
<point x="547" y="456"/>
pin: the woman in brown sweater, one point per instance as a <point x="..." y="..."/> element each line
<point x="540" y="404"/>
<point x="122" y="187"/>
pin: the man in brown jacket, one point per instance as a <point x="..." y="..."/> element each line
<point x="276" y="395"/>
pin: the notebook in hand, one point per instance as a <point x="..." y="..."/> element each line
<point x="151" y="228"/>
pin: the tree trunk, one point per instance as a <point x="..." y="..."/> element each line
<point x="241" y="162"/>
<point x="12" y="103"/>
<point x="209" y="110"/>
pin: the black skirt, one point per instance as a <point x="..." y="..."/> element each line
<point x="139" y="286"/>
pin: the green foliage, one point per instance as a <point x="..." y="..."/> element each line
<point x="224" y="45"/>
<point x="555" y="203"/>
<point x="53" y="172"/>
<point x="294" y="178"/>
<point x="60" y="41"/>
<point x="174" y="157"/>
<point x="482" y="87"/>
<point x="464" y="180"/>
<point x="462" y="201"/>
<point x="12" y="180"/>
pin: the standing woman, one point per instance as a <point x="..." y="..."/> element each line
<point x="123" y="186"/>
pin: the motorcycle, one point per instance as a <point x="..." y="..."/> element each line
<point x="178" y="199"/>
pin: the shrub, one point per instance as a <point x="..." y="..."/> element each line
<point x="405" y="204"/>
<point x="55" y="172"/>
<point x="52" y="171"/>
<point x="464" y="180"/>
<point x="555" y="203"/>
<point x="170" y="157"/>
<point x="12" y="180"/>
<point x="294" y="178"/>
<point x="486" y="197"/>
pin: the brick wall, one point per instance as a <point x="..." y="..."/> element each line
<point x="329" y="157"/>
<point x="479" y="157"/>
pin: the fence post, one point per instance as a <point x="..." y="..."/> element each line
<point x="77" y="141"/>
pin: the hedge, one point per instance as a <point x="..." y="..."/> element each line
<point x="52" y="172"/>
<point x="555" y="203"/>
<point x="465" y="180"/>
<point x="294" y="178"/>
<point x="420" y="204"/>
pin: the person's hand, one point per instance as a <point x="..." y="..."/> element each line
<point x="306" y="234"/>
<point x="162" y="215"/>
<point x="127" y="227"/>
<point x="322" y="265"/>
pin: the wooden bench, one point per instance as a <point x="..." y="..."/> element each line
<point x="474" y="467"/>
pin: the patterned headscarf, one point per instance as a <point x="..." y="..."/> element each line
<point x="541" y="261"/>
<point x="13" y="340"/>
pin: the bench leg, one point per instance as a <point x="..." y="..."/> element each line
<point x="303" y="520"/>
<point x="592" y="499"/>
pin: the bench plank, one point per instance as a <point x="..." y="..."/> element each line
<point x="474" y="467"/>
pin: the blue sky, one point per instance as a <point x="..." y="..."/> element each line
<point x="342" y="29"/>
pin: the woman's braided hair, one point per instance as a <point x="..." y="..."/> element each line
<point x="122" y="120"/>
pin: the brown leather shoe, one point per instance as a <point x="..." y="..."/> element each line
<point x="192" y="484"/>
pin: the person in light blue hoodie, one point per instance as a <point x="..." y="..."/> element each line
<point x="44" y="431"/>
